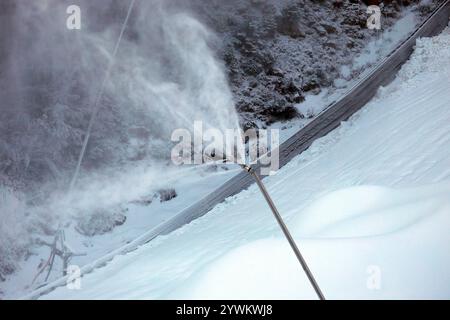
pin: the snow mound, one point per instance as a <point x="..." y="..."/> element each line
<point x="366" y="211"/>
<point x="263" y="269"/>
<point x="267" y="269"/>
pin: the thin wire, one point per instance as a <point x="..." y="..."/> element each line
<point x="95" y="110"/>
<point x="98" y="98"/>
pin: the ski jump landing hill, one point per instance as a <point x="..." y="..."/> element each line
<point x="329" y="119"/>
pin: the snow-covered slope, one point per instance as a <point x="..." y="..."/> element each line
<point x="41" y="134"/>
<point x="369" y="205"/>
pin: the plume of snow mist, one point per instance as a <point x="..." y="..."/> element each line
<point x="165" y="76"/>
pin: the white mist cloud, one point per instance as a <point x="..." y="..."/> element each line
<point x="165" y="76"/>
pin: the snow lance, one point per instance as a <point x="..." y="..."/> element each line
<point x="285" y="230"/>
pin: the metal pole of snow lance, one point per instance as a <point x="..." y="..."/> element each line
<point x="285" y="231"/>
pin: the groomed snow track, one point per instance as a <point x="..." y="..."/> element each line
<point x="329" y="119"/>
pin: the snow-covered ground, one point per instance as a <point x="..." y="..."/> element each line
<point x="369" y="206"/>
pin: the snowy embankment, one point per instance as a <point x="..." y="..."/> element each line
<point x="369" y="206"/>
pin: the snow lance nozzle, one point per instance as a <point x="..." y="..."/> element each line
<point x="247" y="168"/>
